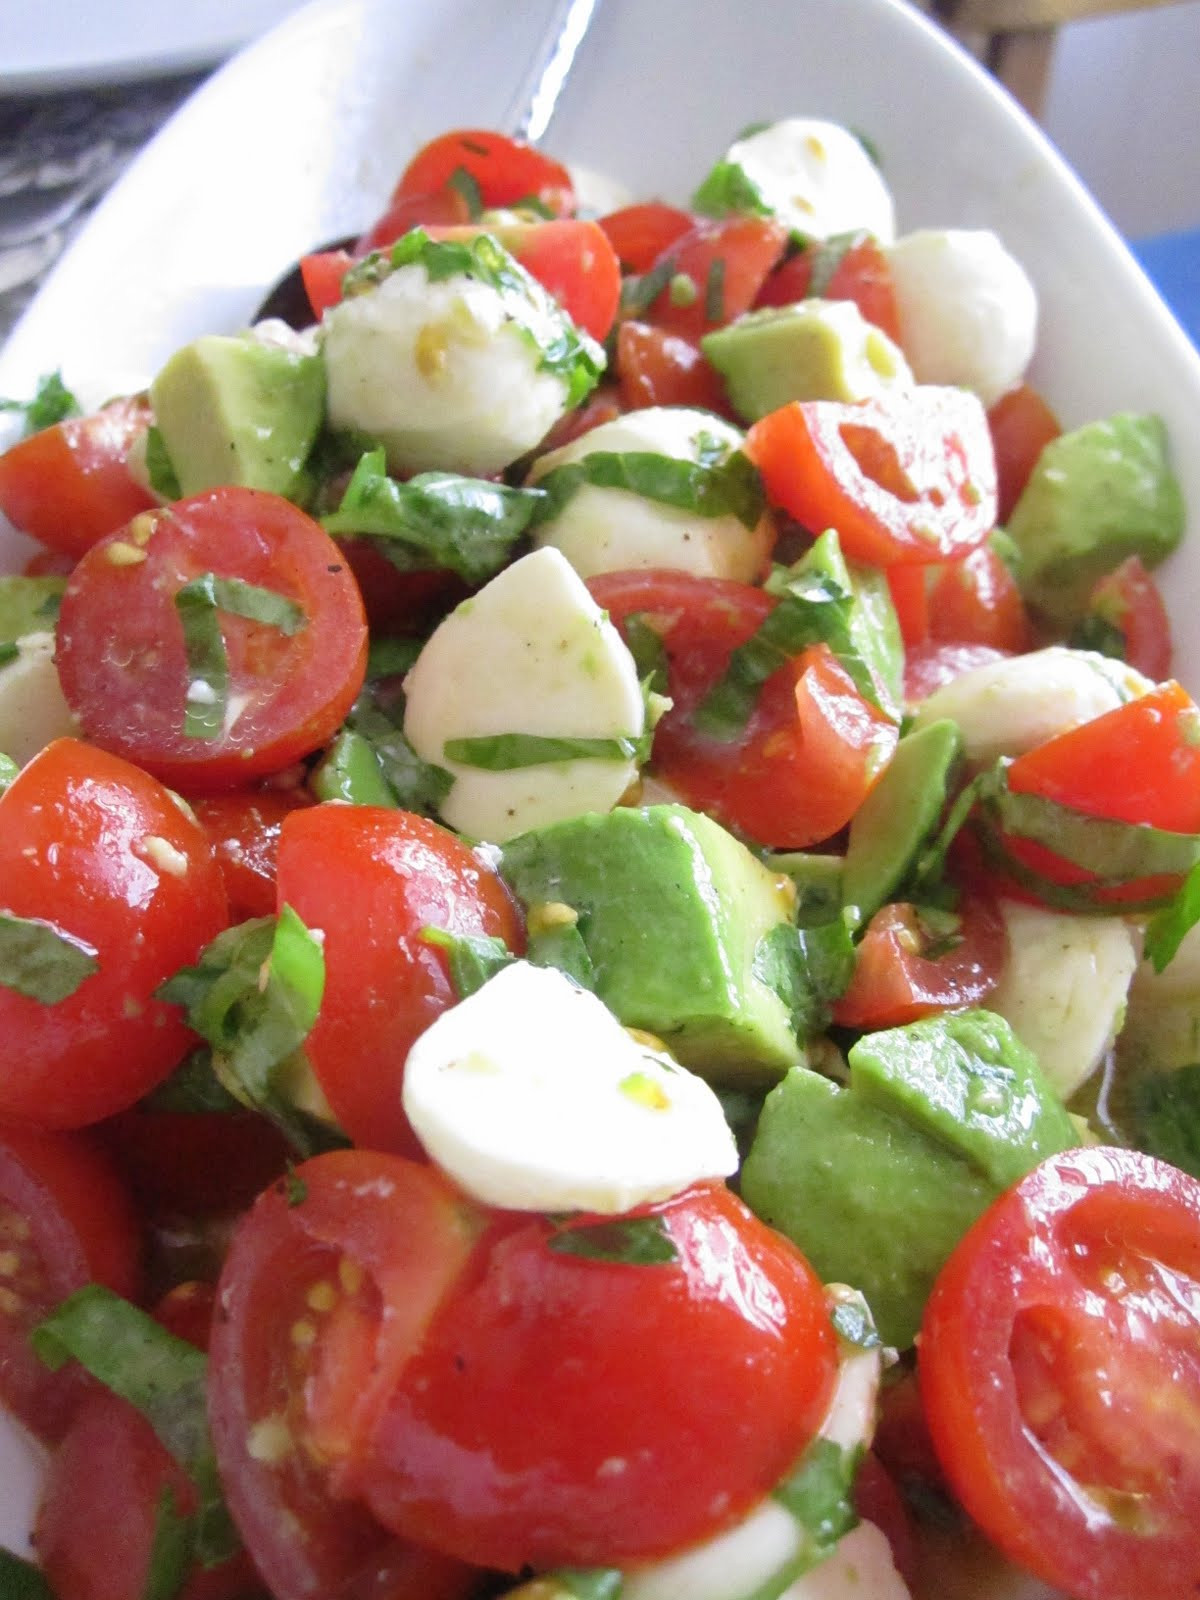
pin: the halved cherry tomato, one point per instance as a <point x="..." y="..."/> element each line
<point x="641" y="233"/>
<point x="720" y="265"/>
<point x="194" y="1164"/>
<point x="1060" y="1371"/>
<point x="244" y="831"/>
<point x="845" y="269"/>
<point x="977" y="601"/>
<point x="604" y="404"/>
<point x="373" y="880"/>
<point x="1139" y="763"/>
<point x="329" y="1286"/>
<point x="1129" y="600"/>
<point x="812" y="748"/>
<point x="103" y="854"/>
<point x="69" y="485"/>
<point x="1022" y="425"/>
<point x="322" y="273"/>
<point x="446" y="207"/>
<point x="657" y="368"/>
<point x="506" y="170"/>
<point x="66" y="1220"/>
<point x="909" y="588"/>
<point x="903" y="970"/>
<point x="131" y="676"/>
<point x="908" y="477"/>
<point x="99" y="1511"/>
<point x="550" y="1418"/>
<point x="932" y="666"/>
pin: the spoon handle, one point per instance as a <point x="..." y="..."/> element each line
<point x="537" y="96"/>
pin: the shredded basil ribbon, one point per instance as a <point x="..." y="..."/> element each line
<point x="164" y="1377"/>
<point x="160" y="469"/>
<point x="52" y="402"/>
<point x="722" y="482"/>
<point x="808" y="968"/>
<point x="562" y="349"/>
<point x="372" y="763"/>
<point x="21" y="1580"/>
<point x="640" y="290"/>
<point x="819" y="1493"/>
<point x="629" y="1241"/>
<point x="728" y="191"/>
<point x="509" y="752"/>
<point x="40" y="961"/>
<point x="198" y="603"/>
<point x="436" y="520"/>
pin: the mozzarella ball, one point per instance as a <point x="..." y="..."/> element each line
<point x="817" y="178"/>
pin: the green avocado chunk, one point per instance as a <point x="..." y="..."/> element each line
<point x="899" y="814"/>
<point x="237" y="409"/>
<point x="813" y="350"/>
<point x="1097" y="495"/>
<point x="877" y="1182"/>
<point x="28" y="605"/>
<point x="671" y="911"/>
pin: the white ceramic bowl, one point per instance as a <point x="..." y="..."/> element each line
<point x="297" y="141"/>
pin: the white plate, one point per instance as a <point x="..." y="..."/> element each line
<point x="60" y="44"/>
<point x="298" y="139"/>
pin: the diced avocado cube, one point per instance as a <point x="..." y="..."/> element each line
<point x="899" y="815"/>
<point x="28" y="605"/>
<point x="239" y="409"/>
<point x="813" y="350"/>
<point x="1097" y="495"/>
<point x="877" y="1182"/>
<point x="671" y="910"/>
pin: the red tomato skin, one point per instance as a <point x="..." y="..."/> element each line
<point x="1129" y="599"/>
<point x="1021" y="425"/>
<point x="70" y="484"/>
<point x="507" y="171"/>
<point x="1059" y="1366"/>
<point x="244" y="831"/>
<point x="905" y="478"/>
<point x="909" y="588"/>
<point x="105" y="853"/>
<point x="977" y="601"/>
<point x="932" y="666"/>
<point x="443" y="208"/>
<point x="322" y="273"/>
<point x="574" y="262"/>
<point x="545" y="1370"/>
<point x="893" y="984"/>
<point x="67" y="1220"/>
<point x="746" y="249"/>
<point x="657" y="368"/>
<point x="641" y="233"/>
<point x="121" y="652"/>
<point x="861" y="275"/>
<point x="372" y="880"/>
<point x="385" y="1238"/>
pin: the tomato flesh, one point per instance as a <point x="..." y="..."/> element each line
<point x="898" y="979"/>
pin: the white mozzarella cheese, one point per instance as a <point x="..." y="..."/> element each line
<point x="1007" y="707"/>
<point x="1064" y="987"/>
<point x="531" y="653"/>
<point x="613" y="530"/>
<point x="439" y="373"/>
<point x="860" y="1568"/>
<point x="32" y="708"/>
<point x="967" y="309"/>
<point x="817" y="177"/>
<point x="533" y="1097"/>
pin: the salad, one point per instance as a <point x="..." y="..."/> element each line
<point x="597" y="874"/>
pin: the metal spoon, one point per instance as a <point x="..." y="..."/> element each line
<point x="532" y="109"/>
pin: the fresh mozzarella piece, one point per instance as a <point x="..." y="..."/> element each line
<point x="533" y="1097"/>
<point x="612" y="530"/>
<point x="440" y="374"/>
<point x="1179" y="979"/>
<point x="1064" y="987"/>
<point x="967" y="310"/>
<point x="531" y="653"/>
<point x="860" y="1568"/>
<point x="32" y="708"/>
<point x="754" y="1552"/>
<point x="1007" y="707"/>
<point x="817" y="178"/>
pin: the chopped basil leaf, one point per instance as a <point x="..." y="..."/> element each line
<point x="1168" y="927"/>
<point x="563" y="350"/>
<point x="473" y="958"/>
<point x="9" y="651"/>
<point x="52" y="402"/>
<point x="391" y="657"/>
<point x="295" y="1189"/>
<point x="253" y="996"/>
<point x="8" y="771"/>
<point x="819" y="1493"/>
<point x="716" y="485"/>
<point x="562" y="946"/>
<point x="160" y="470"/>
<point x="649" y="653"/>
<point x="640" y="290"/>
<point x="198" y="603"/>
<point x="467" y="185"/>
<point x="726" y="191"/>
<point x="40" y="961"/>
<point x="164" y="1377"/>
<point x="1162" y="1110"/>
<point x="436" y="520"/>
<point x="1094" y="632"/>
<point x="193" y="1088"/>
<point x="508" y="752"/>
<point x="21" y="1580"/>
<point x="350" y="770"/>
<point x="374" y="764"/>
<point x="170" y="1550"/>
<point x="827" y="256"/>
<point x="807" y="968"/>
<point x="714" y="291"/>
<point x="853" y="1324"/>
<point x="631" y="1241"/>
